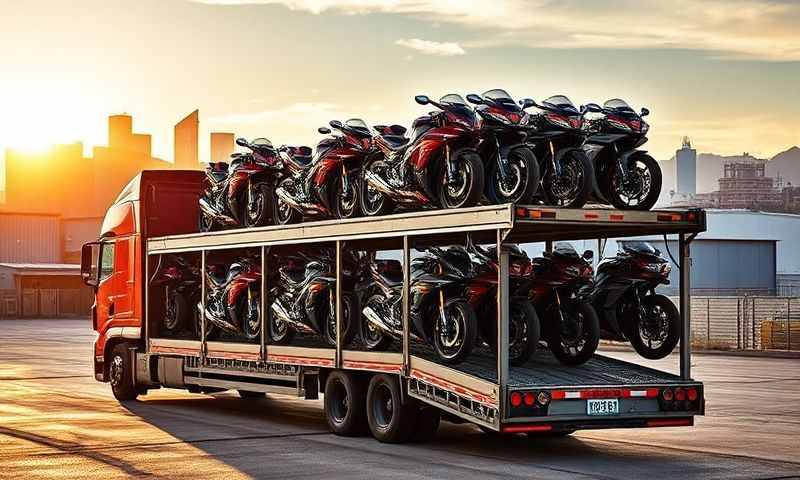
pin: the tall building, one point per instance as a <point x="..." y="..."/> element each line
<point x="221" y="146"/>
<point x="186" y="138"/>
<point x="120" y="130"/>
<point x="686" y="169"/>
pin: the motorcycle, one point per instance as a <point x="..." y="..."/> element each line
<point x="625" y="177"/>
<point x="304" y="299"/>
<point x="238" y="194"/>
<point x="180" y="281"/>
<point x="512" y="171"/>
<point x="437" y="164"/>
<point x="481" y="294"/>
<point x="233" y="300"/>
<point x="561" y="287"/>
<point x="325" y="185"/>
<point x="439" y="314"/>
<point x="556" y="137"/>
<point x="624" y="296"/>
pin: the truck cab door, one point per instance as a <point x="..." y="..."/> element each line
<point x="104" y="298"/>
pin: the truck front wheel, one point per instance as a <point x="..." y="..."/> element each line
<point x="120" y="374"/>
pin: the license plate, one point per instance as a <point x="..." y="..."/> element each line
<point x="606" y="406"/>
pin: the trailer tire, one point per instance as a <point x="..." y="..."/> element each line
<point x="120" y="374"/>
<point x="390" y="421"/>
<point x="428" y="420"/>
<point x="344" y="403"/>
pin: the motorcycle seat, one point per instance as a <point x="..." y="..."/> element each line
<point x="395" y="142"/>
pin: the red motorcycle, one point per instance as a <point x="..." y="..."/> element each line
<point x="325" y="185"/>
<point x="561" y="289"/>
<point x="437" y="165"/>
<point x="237" y="194"/>
<point x="179" y="282"/>
<point x="233" y="300"/>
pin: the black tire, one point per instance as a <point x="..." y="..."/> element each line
<point x="373" y="337"/>
<point x="468" y="191"/>
<point x="250" y="395"/>
<point x="574" y="342"/>
<point x="176" y="311"/>
<point x="645" y="170"/>
<point x="523" y="335"/>
<point x="670" y="328"/>
<point x="453" y="347"/>
<point x="350" y="314"/>
<point x="345" y="206"/>
<point x="428" y="420"/>
<point x="344" y="403"/>
<point x="373" y="203"/>
<point x="390" y="421"/>
<point x="283" y="214"/>
<point x="570" y="192"/>
<point x="251" y="327"/>
<point x="280" y="332"/>
<point x="524" y="176"/>
<point x="257" y="211"/>
<point x="120" y="374"/>
<point x="204" y="222"/>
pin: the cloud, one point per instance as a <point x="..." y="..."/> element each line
<point x="740" y="29"/>
<point x="444" y="49"/>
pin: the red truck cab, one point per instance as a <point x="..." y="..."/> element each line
<point x="154" y="203"/>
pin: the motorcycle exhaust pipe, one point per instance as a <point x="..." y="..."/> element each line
<point x="376" y="320"/>
<point x="379" y="184"/>
<point x="283" y="315"/>
<point x="304" y="207"/>
<point x="212" y="212"/>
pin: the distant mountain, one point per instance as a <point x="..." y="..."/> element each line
<point x="786" y="165"/>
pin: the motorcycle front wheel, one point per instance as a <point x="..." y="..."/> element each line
<point x="373" y="202"/>
<point x="349" y="321"/>
<point x="640" y="188"/>
<point x="454" y="335"/>
<point x="345" y="203"/>
<point x="574" y="339"/>
<point x="249" y="312"/>
<point x="257" y="206"/>
<point x="655" y="333"/>
<point x="467" y="187"/>
<point x="571" y="189"/>
<point x="522" y="178"/>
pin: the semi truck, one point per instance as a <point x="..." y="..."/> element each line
<point x="398" y="394"/>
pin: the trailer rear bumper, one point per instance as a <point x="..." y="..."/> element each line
<point x="597" y="424"/>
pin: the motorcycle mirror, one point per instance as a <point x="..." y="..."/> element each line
<point x="324" y="130"/>
<point x="645" y="112"/>
<point x="422" y="99"/>
<point x="335" y="124"/>
<point x="588" y="255"/>
<point x="475" y="99"/>
<point x="242" y="142"/>
<point x="527" y="103"/>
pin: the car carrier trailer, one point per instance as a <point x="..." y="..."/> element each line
<point x="541" y="396"/>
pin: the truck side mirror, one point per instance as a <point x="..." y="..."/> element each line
<point x="90" y="264"/>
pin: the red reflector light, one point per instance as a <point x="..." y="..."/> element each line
<point x="526" y="428"/>
<point x="516" y="399"/>
<point x="666" y="394"/>
<point x="558" y="395"/>
<point x="691" y="394"/>
<point x="616" y="217"/>
<point x="591" y="216"/>
<point x="529" y="398"/>
<point x="680" y="394"/>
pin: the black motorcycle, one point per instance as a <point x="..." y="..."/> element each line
<point x="561" y="288"/>
<point x="440" y="315"/>
<point x="625" y="177"/>
<point x="512" y="171"/>
<point x="238" y="194"/>
<point x="437" y="166"/>
<point x="556" y="137"/>
<point x="233" y="299"/>
<point x="624" y="296"/>
<point x="304" y="299"/>
<point x="180" y="281"/>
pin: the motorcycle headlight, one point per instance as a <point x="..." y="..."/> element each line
<point x="618" y="123"/>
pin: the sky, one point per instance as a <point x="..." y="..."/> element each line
<point x="724" y="72"/>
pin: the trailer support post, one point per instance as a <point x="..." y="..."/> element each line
<point x="203" y="345"/>
<point x="264" y="303"/>
<point x="502" y="315"/>
<point x="406" y="303"/>
<point x="338" y="361"/>
<point x="685" y="300"/>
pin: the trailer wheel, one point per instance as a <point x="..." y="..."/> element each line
<point x="390" y="421"/>
<point x="428" y="419"/>
<point x="120" y="374"/>
<point x="344" y="403"/>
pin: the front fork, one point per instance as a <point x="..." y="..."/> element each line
<point x="345" y="181"/>
<point x="502" y="162"/>
<point x="451" y="168"/>
<point x="623" y="172"/>
<point x="556" y="165"/>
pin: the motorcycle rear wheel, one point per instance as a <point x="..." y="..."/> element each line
<point x="280" y="333"/>
<point x="211" y="329"/>
<point x="573" y="188"/>
<point x="176" y="309"/>
<point x="575" y="341"/>
<point x="454" y="341"/>
<point x="349" y="321"/>
<point x="374" y="339"/>
<point x="523" y="335"/>
<point x="670" y="333"/>
<point x="645" y="170"/>
<point x="373" y="203"/>
<point x="283" y="214"/>
<point x="250" y="326"/>
<point x="204" y="222"/>
<point x="467" y="190"/>
<point x="523" y="181"/>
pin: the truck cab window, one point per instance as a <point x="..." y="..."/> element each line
<point x="106" y="260"/>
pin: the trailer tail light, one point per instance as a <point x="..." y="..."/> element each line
<point x="691" y="394"/>
<point x="516" y="399"/>
<point x="680" y="399"/>
<point x="529" y="403"/>
<point x="666" y="394"/>
<point x="529" y="398"/>
<point x="680" y="394"/>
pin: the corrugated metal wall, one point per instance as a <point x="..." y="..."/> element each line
<point x="29" y="238"/>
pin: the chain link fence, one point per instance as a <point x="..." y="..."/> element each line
<point x="745" y="322"/>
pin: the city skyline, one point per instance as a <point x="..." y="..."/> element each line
<point x="721" y="73"/>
